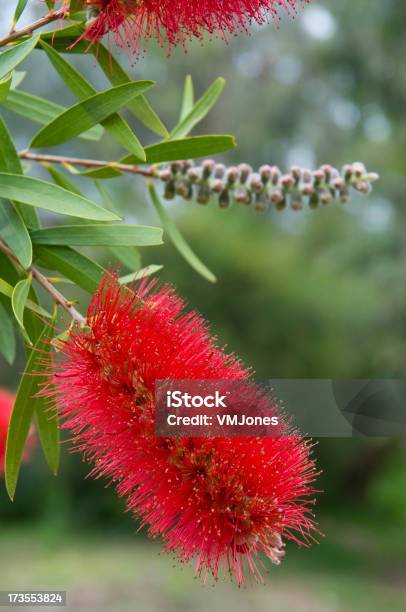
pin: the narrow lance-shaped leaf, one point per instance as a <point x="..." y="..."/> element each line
<point x="84" y="272"/>
<point x="7" y="290"/>
<point x="5" y="85"/>
<point x="142" y="273"/>
<point x="10" y="58"/>
<point x="82" y="89"/>
<point x="99" y="235"/>
<point x="14" y="232"/>
<point x="18" y="302"/>
<point x="7" y="337"/>
<point x="139" y="107"/>
<point x="21" y="4"/>
<point x="46" y="419"/>
<point x="42" y="111"/>
<point x="10" y="162"/>
<point x="177" y="239"/>
<point x="21" y="417"/>
<point x="81" y="117"/>
<point x="188" y="98"/>
<point x="41" y="194"/>
<point x="199" y="110"/>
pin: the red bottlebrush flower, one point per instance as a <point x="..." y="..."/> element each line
<point x="6" y="407"/>
<point x="133" y="22"/>
<point x="219" y="501"/>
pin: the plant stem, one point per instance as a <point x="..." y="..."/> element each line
<point x="44" y="282"/>
<point x="88" y="163"/>
<point x="35" y="25"/>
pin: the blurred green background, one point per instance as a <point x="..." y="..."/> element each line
<point x="309" y="294"/>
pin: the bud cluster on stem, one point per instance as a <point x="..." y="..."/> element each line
<point x="266" y="187"/>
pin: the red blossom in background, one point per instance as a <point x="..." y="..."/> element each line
<point x="6" y="407"/>
<point x="133" y="22"/>
<point x="222" y="501"/>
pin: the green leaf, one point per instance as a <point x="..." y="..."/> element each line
<point x="46" y="418"/>
<point x="10" y="58"/>
<point x="114" y="124"/>
<point x="21" y="417"/>
<point x="5" y="85"/>
<point x="188" y="98"/>
<point x="41" y="194"/>
<point x="14" y="232"/>
<point x="42" y="111"/>
<point x="10" y="162"/>
<point x="177" y="239"/>
<point x="89" y="112"/>
<point x="99" y="235"/>
<point x="143" y="273"/>
<point x="18" y="301"/>
<point x="83" y="271"/>
<point x="129" y="256"/>
<point x="139" y="107"/>
<point x="7" y="337"/>
<point x="199" y="110"/>
<point x="7" y="290"/>
<point x="61" y="179"/>
<point x="171" y="150"/>
<point x="21" y="4"/>
<point x="197" y="146"/>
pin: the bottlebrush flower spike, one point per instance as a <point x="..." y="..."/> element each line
<point x="133" y="22"/>
<point x="219" y="501"/>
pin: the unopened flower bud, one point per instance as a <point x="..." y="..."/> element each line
<point x="203" y="194"/>
<point x="242" y="195"/>
<point x="296" y="202"/>
<point x="372" y="177"/>
<point x="176" y="167"/>
<point x="296" y="172"/>
<point x="318" y="176"/>
<point x="165" y="175"/>
<point x="186" y="165"/>
<point x="224" y="199"/>
<point x="359" y="169"/>
<point x="327" y="171"/>
<point x="193" y="174"/>
<point x="219" y="171"/>
<point x="307" y="190"/>
<point x="255" y="182"/>
<point x="183" y="188"/>
<point x="325" y="196"/>
<point x="287" y="181"/>
<point x="245" y="171"/>
<point x="362" y="186"/>
<point x="277" y="196"/>
<point x="232" y="175"/>
<point x="207" y="167"/>
<point x="339" y="182"/>
<point x="265" y="173"/>
<point x="275" y="175"/>
<point x="347" y="172"/>
<point x="217" y="186"/>
<point x="169" y="191"/>
<point x="307" y="176"/>
<point x="262" y="201"/>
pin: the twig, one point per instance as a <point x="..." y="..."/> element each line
<point x="88" y="163"/>
<point x="35" y="25"/>
<point x="44" y="282"/>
